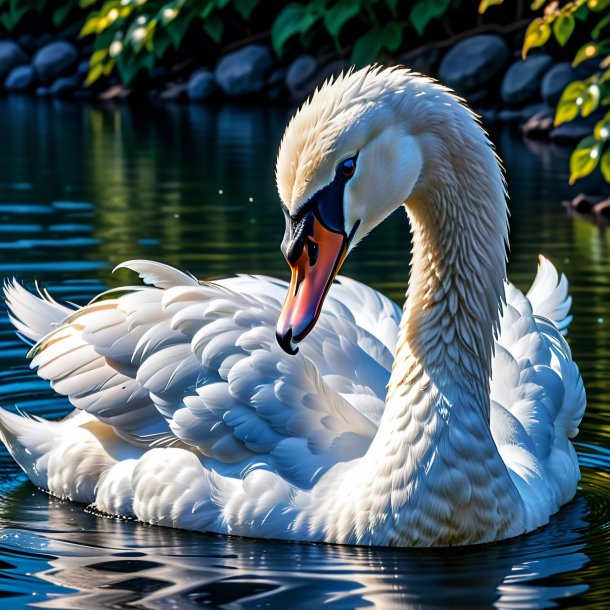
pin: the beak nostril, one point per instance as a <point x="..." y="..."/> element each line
<point x="313" y="251"/>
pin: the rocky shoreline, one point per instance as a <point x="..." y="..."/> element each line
<point x="485" y="68"/>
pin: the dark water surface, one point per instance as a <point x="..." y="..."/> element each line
<point x="82" y="189"/>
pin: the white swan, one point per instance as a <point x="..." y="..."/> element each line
<point x="189" y="414"/>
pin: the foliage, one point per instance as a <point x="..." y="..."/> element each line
<point x="13" y="12"/>
<point x="581" y="97"/>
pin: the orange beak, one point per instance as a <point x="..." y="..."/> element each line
<point x="314" y="268"/>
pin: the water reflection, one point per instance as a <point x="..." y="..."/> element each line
<point x="82" y="189"/>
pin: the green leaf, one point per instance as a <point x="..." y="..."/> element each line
<point x="94" y="73"/>
<point x="591" y="50"/>
<point x="87" y="3"/>
<point x="214" y="27"/>
<point x="294" y="19"/>
<point x="90" y="26"/>
<point x="98" y="57"/>
<point x="537" y="4"/>
<point x="563" y="27"/>
<point x="177" y="28"/>
<point x="393" y="6"/>
<point x="584" y="158"/>
<point x="392" y="36"/>
<point x="537" y="33"/>
<point x="569" y="105"/>
<point x="598" y="29"/>
<point x="598" y="5"/>
<point x="245" y="7"/>
<point x="485" y="4"/>
<point x="425" y="11"/>
<point x="337" y="16"/>
<point x="60" y="14"/>
<point x="604" y="165"/>
<point x="601" y="132"/>
<point x="367" y="48"/>
<point x="590" y="100"/>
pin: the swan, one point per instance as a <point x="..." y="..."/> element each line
<point x="320" y="411"/>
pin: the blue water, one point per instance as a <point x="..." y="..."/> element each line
<point x="84" y="188"/>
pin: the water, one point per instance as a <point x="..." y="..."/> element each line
<point x="82" y="189"/>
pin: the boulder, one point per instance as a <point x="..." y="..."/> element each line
<point x="43" y="91"/>
<point x="540" y="124"/>
<point x="27" y="42"/>
<point x="275" y="84"/>
<point x="174" y="92"/>
<point x="54" y="60"/>
<point x="556" y="79"/>
<point x="83" y="69"/>
<point x="20" y="79"/>
<point x="244" y="72"/>
<point x="571" y="133"/>
<point x="64" y="86"/>
<point x="583" y="203"/>
<point x="423" y="60"/>
<point x="323" y="73"/>
<point x="521" y="83"/>
<point x="473" y="63"/>
<point x="201" y="85"/>
<point x="602" y="208"/>
<point x="11" y="56"/>
<point x="299" y="75"/>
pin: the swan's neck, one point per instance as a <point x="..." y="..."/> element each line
<point x="433" y="474"/>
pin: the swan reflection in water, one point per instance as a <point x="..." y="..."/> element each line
<point x="111" y="563"/>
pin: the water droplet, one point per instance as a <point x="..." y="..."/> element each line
<point x="176" y="215"/>
<point x="220" y="191"/>
<point x="600" y="320"/>
<point x="250" y="199"/>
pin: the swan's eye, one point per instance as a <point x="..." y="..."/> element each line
<point x="348" y="167"/>
<point x="312" y="252"/>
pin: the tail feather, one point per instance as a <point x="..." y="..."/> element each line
<point x="34" y="316"/>
<point x="549" y="296"/>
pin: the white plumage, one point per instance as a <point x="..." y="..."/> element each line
<point x="190" y="415"/>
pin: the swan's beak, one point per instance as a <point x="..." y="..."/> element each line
<point x="314" y="263"/>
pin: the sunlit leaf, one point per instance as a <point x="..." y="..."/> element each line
<point x="537" y="4"/>
<point x="604" y="165"/>
<point x="570" y="102"/>
<point x="601" y="131"/>
<point x="94" y="73"/>
<point x="584" y="158"/>
<point x="598" y="5"/>
<point x="590" y="100"/>
<point x="90" y="26"/>
<point x="537" y="33"/>
<point x="591" y="50"/>
<point x="485" y="4"/>
<point x="425" y="11"/>
<point x="563" y="27"/>
<point x="98" y="56"/>
<point x="597" y="30"/>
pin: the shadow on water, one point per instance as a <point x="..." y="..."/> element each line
<point x="82" y="189"/>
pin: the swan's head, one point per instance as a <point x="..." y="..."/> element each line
<point x="345" y="163"/>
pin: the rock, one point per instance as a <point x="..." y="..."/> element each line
<point x="423" y="60"/>
<point x="27" y="42"/>
<point x="275" y="84"/>
<point x="83" y="69"/>
<point x="473" y="63"/>
<point x="244" y="72"/>
<point x="43" y="91"/>
<point x="509" y="115"/>
<point x="20" y="79"/>
<point x="574" y="131"/>
<point x="201" y="85"/>
<point x="174" y="92"/>
<point x="64" y="86"/>
<point x="521" y="83"/>
<point x="540" y="124"/>
<point x="54" y="60"/>
<point x="43" y="40"/>
<point x="299" y="75"/>
<point x="83" y="94"/>
<point x="529" y="111"/>
<point x="602" y="208"/>
<point x="11" y="56"/>
<point x="556" y="79"/>
<point x="325" y="72"/>
<point x="583" y="203"/>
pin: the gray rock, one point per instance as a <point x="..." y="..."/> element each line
<point x="275" y="84"/>
<point x="423" y="60"/>
<point x="556" y="80"/>
<point x="299" y="75"/>
<point x="43" y="91"/>
<point x="201" y="85"/>
<point x="509" y="115"/>
<point x="473" y="63"/>
<point x="27" y="42"/>
<point x="11" y="56"/>
<point x="83" y="69"/>
<point x="574" y="131"/>
<point x="54" y="60"/>
<point x="64" y="86"/>
<point x="529" y="111"/>
<point x="540" y="124"/>
<point x="175" y="92"/>
<point x="521" y="83"/>
<point x="244" y="72"/>
<point x="20" y="79"/>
